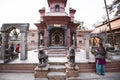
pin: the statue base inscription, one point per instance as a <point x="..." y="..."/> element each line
<point x="72" y="71"/>
<point x="41" y="72"/>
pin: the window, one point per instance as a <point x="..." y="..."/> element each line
<point x="57" y="8"/>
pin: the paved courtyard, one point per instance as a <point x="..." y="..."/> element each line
<point x="32" y="58"/>
<point x="80" y="58"/>
<point x="83" y="76"/>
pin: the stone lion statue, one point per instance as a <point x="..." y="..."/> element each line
<point x="71" y="56"/>
<point x="43" y="58"/>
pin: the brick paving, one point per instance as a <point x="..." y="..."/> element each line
<point x="82" y="76"/>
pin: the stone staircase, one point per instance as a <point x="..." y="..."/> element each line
<point x="57" y="71"/>
<point x="56" y="52"/>
<point x="54" y="67"/>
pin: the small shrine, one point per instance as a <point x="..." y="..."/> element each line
<point x="57" y="27"/>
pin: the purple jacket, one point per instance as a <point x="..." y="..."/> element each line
<point x="103" y="61"/>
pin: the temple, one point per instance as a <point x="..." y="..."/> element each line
<point x="57" y="27"/>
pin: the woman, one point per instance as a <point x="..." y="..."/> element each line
<point x="17" y="48"/>
<point x="100" y="59"/>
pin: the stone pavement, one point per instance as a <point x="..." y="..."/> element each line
<point x="82" y="76"/>
<point x="94" y="76"/>
<point x="32" y="58"/>
<point x="80" y="58"/>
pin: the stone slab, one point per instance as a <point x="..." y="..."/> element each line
<point x="71" y="68"/>
<point x="42" y="68"/>
<point x="57" y="76"/>
<point x="57" y="68"/>
<point x="41" y="72"/>
<point x="72" y="71"/>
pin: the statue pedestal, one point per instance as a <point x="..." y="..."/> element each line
<point x="41" y="72"/>
<point x="72" y="71"/>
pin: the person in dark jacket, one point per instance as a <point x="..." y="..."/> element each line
<point x="100" y="59"/>
<point x="12" y="50"/>
<point x="12" y="47"/>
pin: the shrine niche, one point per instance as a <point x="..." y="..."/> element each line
<point x="57" y="37"/>
<point x="6" y="29"/>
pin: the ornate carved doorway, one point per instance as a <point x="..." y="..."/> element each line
<point x="57" y="37"/>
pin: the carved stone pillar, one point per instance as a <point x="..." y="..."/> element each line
<point x="38" y="39"/>
<point x="45" y="38"/>
<point x="86" y="37"/>
<point x="48" y="41"/>
<point x="68" y="37"/>
<point x="65" y="37"/>
<point x="23" y="45"/>
<point x="4" y="46"/>
<point x="75" y="40"/>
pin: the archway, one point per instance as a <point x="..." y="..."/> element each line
<point x="5" y="30"/>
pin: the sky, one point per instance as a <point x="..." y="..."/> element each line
<point x="26" y="11"/>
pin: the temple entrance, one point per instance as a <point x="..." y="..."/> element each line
<point x="57" y="37"/>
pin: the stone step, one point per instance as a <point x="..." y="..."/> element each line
<point x="90" y="67"/>
<point x="17" y="71"/>
<point x="56" y="55"/>
<point x="57" y="60"/>
<point x="17" y="68"/>
<point x="57" y="76"/>
<point x="83" y="67"/>
<point x="41" y="78"/>
<point x="56" y="52"/>
<point x="57" y="68"/>
<point x="51" y="49"/>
